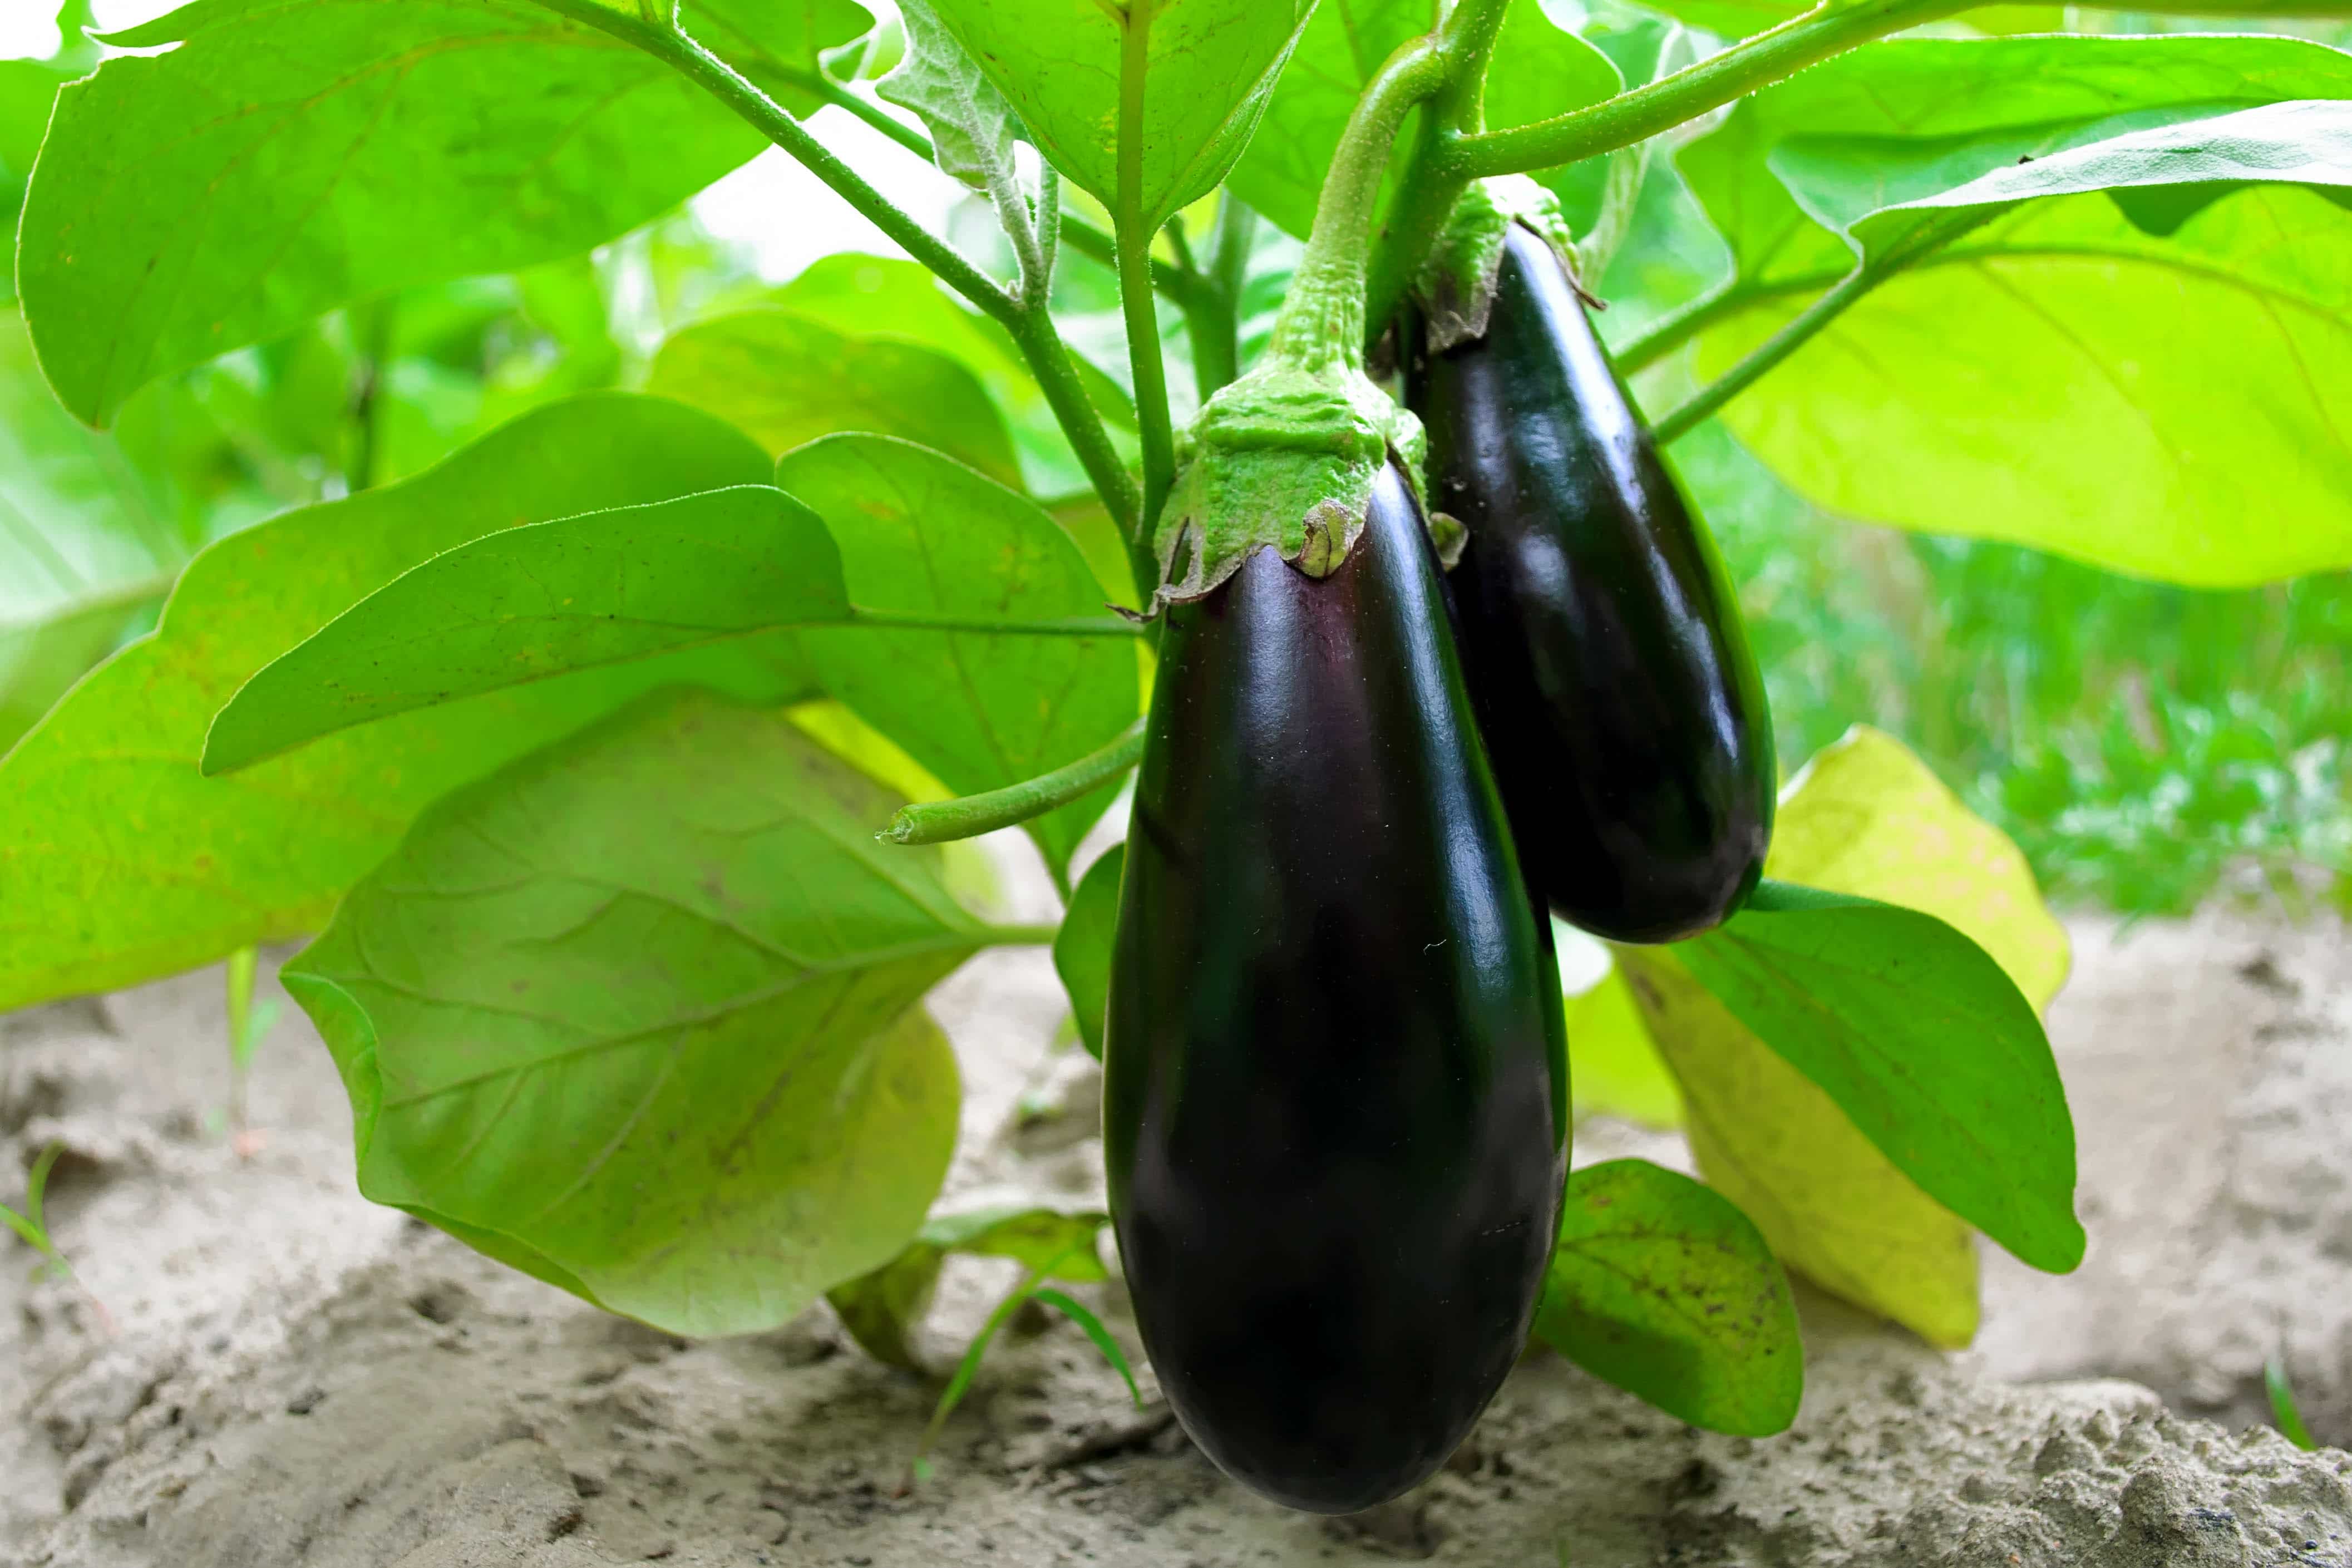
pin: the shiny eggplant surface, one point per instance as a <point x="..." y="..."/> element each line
<point x="1614" y="681"/>
<point x="1334" y="1087"/>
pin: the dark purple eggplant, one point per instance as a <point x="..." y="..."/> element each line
<point x="1614" y="681"/>
<point x="1334" y="1097"/>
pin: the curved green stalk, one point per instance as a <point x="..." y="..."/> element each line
<point x="1446" y="161"/>
<point x="1034" y="330"/>
<point x="969" y="817"/>
<point x="874" y="114"/>
<point x="1133" y="228"/>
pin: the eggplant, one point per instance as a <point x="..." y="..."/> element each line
<point x="1334" y="1083"/>
<point x="1614" y="684"/>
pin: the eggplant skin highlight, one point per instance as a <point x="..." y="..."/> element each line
<point x="1619" y="697"/>
<point x="1334" y="1092"/>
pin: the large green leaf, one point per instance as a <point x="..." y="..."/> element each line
<point x="1082" y="947"/>
<point x="637" y="1013"/>
<point x="2009" y="386"/>
<point x="292" y="156"/>
<point x="87" y="541"/>
<point x="879" y="297"/>
<point x="787" y="380"/>
<point x="1863" y="818"/>
<point x="1665" y="1289"/>
<point x="1182" y="82"/>
<point x="971" y="124"/>
<point x="528" y="603"/>
<point x="920" y="535"/>
<point x="119" y="862"/>
<point x="881" y="1309"/>
<point x="1922" y="1040"/>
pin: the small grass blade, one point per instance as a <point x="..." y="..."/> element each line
<point x="34" y="1237"/>
<point x="2284" y="1409"/>
<point x="1092" y="1328"/>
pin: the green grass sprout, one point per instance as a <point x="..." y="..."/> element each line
<point x="2284" y="1409"/>
<point x="246" y="1025"/>
<point x="31" y="1226"/>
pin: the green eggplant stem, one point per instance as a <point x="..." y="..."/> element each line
<point x="968" y="816"/>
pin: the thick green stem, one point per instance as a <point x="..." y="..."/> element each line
<point x="1445" y="161"/>
<point x="1322" y="322"/>
<point x="1829" y="28"/>
<point x="1133" y="228"/>
<point x="936" y="822"/>
<point x="1034" y="330"/>
<point x="1175" y="285"/>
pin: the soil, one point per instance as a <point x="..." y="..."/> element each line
<point x="295" y="1376"/>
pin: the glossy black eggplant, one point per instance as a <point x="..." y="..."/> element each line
<point x="1614" y="684"/>
<point x="1334" y="1087"/>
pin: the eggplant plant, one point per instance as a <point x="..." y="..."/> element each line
<point x="612" y="763"/>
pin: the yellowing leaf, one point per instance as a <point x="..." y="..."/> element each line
<point x="1866" y="816"/>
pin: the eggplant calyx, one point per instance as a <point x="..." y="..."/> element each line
<point x="1456" y="287"/>
<point x="1285" y="458"/>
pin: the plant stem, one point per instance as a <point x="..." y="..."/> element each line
<point x="1922" y="244"/>
<point x="1829" y="28"/>
<point x="968" y="816"/>
<point x="1068" y="626"/>
<point x="1213" y="322"/>
<point x="874" y="114"/>
<point x="1132" y="228"/>
<point x="1323" y="320"/>
<point x="1172" y="281"/>
<point x="1446" y="161"/>
<point x="1034" y="330"/>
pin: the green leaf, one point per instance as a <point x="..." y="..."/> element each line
<point x="641" y="1006"/>
<point x="971" y="124"/>
<point x="27" y="87"/>
<point x="881" y="1309"/>
<point x="1613" y="1066"/>
<point x="87" y="541"/>
<point x="292" y="156"/>
<point x="1082" y="947"/>
<point x="788" y="380"/>
<point x="1540" y="69"/>
<point x="920" y="535"/>
<point x="1343" y="44"/>
<point x="1922" y="1040"/>
<point x="862" y="296"/>
<point x="1185" y="81"/>
<point x="1092" y="1327"/>
<point x="1863" y="818"/>
<point x="1663" y="1287"/>
<point x="2008" y="387"/>
<point x="779" y="47"/>
<point x="530" y="604"/>
<point x="118" y="861"/>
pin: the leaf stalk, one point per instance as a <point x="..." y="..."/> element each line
<point x="969" y="817"/>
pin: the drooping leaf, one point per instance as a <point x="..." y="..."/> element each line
<point x="1082" y="947"/>
<point x="641" y="1006"/>
<point x="1665" y="1288"/>
<point x="920" y="535"/>
<point x="1183" y="81"/>
<point x="118" y="861"/>
<point x="1865" y="818"/>
<point x="787" y="380"/>
<point x="530" y="604"/>
<point x="881" y="1309"/>
<point x="292" y="156"/>
<point x="1922" y="1040"/>
<point x="2008" y="385"/>
<point x="971" y="124"/>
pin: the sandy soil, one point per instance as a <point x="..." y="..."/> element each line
<point x="298" y="1377"/>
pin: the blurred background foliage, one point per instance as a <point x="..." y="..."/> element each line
<point x="2149" y="746"/>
